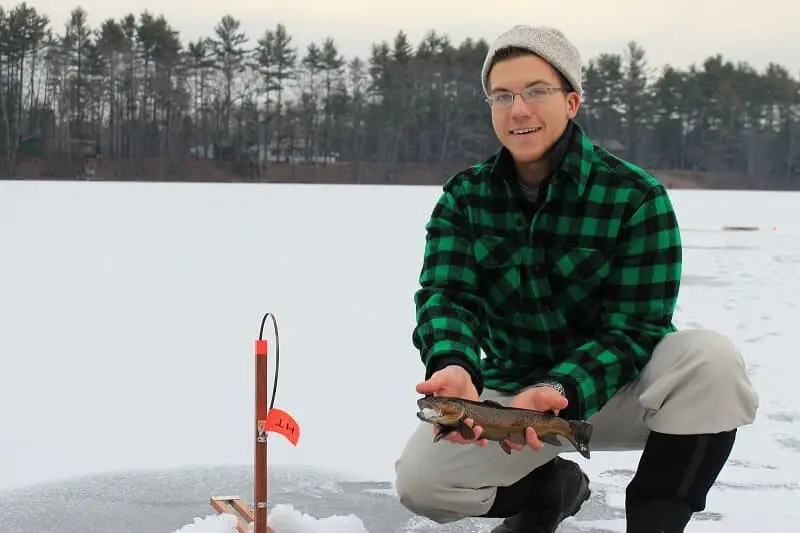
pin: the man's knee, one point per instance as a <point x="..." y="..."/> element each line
<point x="446" y="482"/>
<point x="415" y="491"/>
<point x="704" y="371"/>
<point x="420" y="485"/>
<point x="710" y="356"/>
<point x="423" y="492"/>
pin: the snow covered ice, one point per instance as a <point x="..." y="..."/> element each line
<point x="130" y="312"/>
<point x="284" y="518"/>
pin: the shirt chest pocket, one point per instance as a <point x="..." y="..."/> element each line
<point x="499" y="263"/>
<point x="577" y="275"/>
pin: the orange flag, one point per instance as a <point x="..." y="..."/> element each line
<point x="279" y="421"/>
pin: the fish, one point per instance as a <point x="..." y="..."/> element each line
<point x="502" y="423"/>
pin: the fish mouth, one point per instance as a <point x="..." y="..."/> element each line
<point x="428" y="410"/>
<point x="426" y="402"/>
<point x="429" y="414"/>
<point x="433" y="411"/>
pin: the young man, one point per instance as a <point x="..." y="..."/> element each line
<point x="562" y="263"/>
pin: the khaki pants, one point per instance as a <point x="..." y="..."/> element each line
<point x="695" y="383"/>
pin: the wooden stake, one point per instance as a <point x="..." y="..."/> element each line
<point x="234" y="504"/>
<point x="260" y="475"/>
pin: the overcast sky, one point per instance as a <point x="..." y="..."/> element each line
<point x="679" y="32"/>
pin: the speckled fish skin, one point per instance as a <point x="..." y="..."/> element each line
<point x="501" y="423"/>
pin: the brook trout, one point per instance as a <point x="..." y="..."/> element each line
<point x="501" y="423"/>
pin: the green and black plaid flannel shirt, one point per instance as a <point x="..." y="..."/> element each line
<point x="581" y="293"/>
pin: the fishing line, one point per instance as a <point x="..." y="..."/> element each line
<point x="277" y="353"/>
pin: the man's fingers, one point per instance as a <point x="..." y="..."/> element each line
<point x="563" y="402"/>
<point x="519" y="402"/>
<point x="514" y="446"/>
<point x="532" y="439"/>
<point x="429" y="386"/>
<point x="457" y="438"/>
<point x="476" y="430"/>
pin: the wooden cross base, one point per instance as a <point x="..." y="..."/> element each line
<point x="236" y="506"/>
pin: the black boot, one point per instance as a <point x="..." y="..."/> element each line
<point x="674" y="476"/>
<point x="540" y="501"/>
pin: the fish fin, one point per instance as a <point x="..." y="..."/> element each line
<point x="493" y="403"/>
<point x="505" y="446"/>
<point x="550" y="439"/>
<point x="443" y="432"/>
<point x="581" y="436"/>
<point x="466" y="431"/>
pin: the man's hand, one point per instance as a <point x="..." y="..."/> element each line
<point x="456" y="382"/>
<point x="541" y="398"/>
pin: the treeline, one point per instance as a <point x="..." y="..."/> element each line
<point x="133" y="90"/>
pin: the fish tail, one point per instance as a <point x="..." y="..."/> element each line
<point x="580" y="436"/>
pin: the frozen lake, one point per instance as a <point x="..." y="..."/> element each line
<point x="130" y="312"/>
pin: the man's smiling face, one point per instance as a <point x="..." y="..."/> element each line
<point x="529" y="128"/>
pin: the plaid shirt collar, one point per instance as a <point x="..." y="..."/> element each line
<point x="570" y="156"/>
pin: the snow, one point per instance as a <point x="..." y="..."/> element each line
<point x="130" y="312"/>
<point x="286" y="518"/>
<point x="283" y="518"/>
<point x="221" y="523"/>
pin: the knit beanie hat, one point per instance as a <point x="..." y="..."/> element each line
<point x="548" y="43"/>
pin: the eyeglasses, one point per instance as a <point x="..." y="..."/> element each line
<point x="529" y="94"/>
